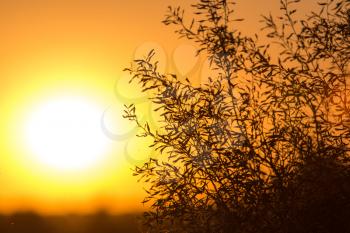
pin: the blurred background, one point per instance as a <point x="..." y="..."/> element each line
<point x="29" y="222"/>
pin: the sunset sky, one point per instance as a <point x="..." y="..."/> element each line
<point x="61" y="68"/>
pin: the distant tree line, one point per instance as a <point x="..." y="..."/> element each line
<point x="99" y="222"/>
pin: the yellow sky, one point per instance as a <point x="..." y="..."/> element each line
<point x="79" y="48"/>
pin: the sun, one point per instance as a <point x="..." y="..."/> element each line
<point x="65" y="133"/>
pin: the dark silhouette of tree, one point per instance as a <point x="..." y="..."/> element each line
<point x="264" y="145"/>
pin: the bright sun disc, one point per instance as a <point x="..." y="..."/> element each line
<point x="65" y="133"/>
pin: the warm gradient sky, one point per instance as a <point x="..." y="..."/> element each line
<point x="74" y="51"/>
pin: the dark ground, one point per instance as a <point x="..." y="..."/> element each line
<point x="100" y="222"/>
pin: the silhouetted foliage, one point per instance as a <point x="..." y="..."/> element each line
<point x="264" y="145"/>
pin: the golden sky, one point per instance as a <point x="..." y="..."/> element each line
<point x="64" y="59"/>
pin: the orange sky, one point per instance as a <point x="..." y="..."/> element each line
<point x="53" y="48"/>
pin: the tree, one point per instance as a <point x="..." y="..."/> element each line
<point x="246" y="152"/>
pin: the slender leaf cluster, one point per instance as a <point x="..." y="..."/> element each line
<point x="246" y="152"/>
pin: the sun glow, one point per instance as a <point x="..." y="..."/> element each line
<point x="65" y="134"/>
